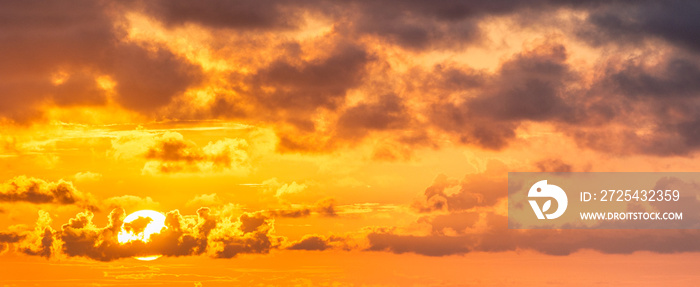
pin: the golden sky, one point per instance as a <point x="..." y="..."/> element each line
<point x="334" y="143"/>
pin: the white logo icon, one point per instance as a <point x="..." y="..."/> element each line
<point x="542" y="189"/>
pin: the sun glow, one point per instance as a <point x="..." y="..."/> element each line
<point x="139" y="226"/>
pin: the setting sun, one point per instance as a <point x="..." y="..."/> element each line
<point x="140" y="225"/>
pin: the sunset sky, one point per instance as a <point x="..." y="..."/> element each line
<point x="335" y="143"/>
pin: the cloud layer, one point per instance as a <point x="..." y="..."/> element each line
<point x="358" y="81"/>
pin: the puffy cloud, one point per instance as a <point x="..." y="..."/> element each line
<point x="38" y="191"/>
<point x="184" y="235"/>
<point x="81" y="237"/>
<point x="40" y="242"/>
<point x="252" y="233"/>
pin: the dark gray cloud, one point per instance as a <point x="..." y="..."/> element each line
<point x="656" y="94"/>
<point x="55" y="52"/>
<point x="416" y="25"/>
<point x="529" y="87"/>
<point x="147" y="80"/>
<point x="673" y="21"/>
<point x="245" y="15"/>
<point x="314" y="83"/>
<point x="387" y="113"/>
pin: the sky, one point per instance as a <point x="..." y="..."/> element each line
<point x="335" y="143"/>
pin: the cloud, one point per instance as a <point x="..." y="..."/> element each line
<point x="280" y="189"/>
<point x="208" y="200"/>
<point x="474" y="190"/>
<point x="206" y="233"/>
<point x="635" y="21"/>
<point x="315" y="242"/>
<point x="367" y="77"/>
<point x="87" y="176"/>
<point x="528" y="87"/>
<point x="131" y="202"/>
<point x="243" y="15"/>
<point x="387" y="113"/>
<point x="325" y="207"/>
<point x="468" y="221"/>
<point x="40" y="241"/>
<point x="253" y="233"/>
<point x="424" y="245"/>
<point x="7" y="237"/>
<point x="498" y="238"/>
<point x="553" y="165"/>
<point x="311" y="84"/>
<point x="58" y="53"/>
<point x="185" y="235"/>
<point x="290" y="212"/>
<point x="38" y="191"/>
<point x="171" y="153"/>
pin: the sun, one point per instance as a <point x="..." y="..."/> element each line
<point x="140" y="225"/>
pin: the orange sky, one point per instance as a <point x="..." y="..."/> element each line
<point x="334" y="143"/>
